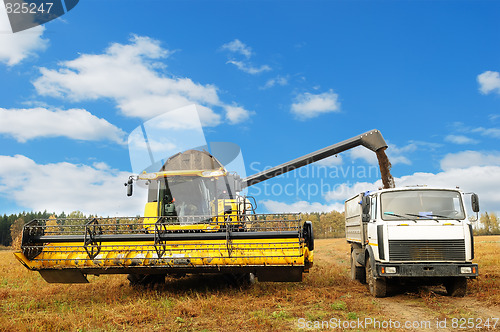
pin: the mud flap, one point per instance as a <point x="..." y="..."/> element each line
<point x="64" y="276"/>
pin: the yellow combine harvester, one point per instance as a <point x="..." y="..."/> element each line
<point x="195" y="221"/>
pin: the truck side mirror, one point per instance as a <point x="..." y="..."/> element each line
<point x="130" y="187"/>
<point x="365" y="208"/>
<point x="475" y="202"/>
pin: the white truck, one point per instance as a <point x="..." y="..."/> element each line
<point x="412" y="234"/>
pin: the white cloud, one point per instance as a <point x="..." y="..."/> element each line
<point x="236" y="46"/>
<point x="26" y="124"/>
<point x="68" y="187"/>
<point x="493" y="117"/>
<point x="16" y="47"/>
<point x="237" y="114"/>
<point x="466" y="159"/>
<point x="156" y="105"/>
<point x="489" y="81"/>
<point x="344" y="191"/>
<point x="488" y="132"/>
<point x="132" y="75"/>
<point x="460" y="139"/>
<point x="398" y="155"/>
<point x="480" y="179"/>
<point x="360" y="152"/>
<point x="278" y="80"/>
<point x="301" y="206"/>
<point x="394" y="153"/>
<point x="153" y="144"/>
<point x="248" y="68"/>
<point x="308" y="105"/>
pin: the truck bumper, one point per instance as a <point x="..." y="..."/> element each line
<point x="426" y="270"/>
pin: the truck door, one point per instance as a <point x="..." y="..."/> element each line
<point x="372" y="227"/>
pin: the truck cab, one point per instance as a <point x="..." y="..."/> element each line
<point x="412" y="234"/>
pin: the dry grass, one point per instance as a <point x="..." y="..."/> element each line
<point x="207" y="303"/>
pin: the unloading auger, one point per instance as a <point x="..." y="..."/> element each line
<point x="195" y="221"/>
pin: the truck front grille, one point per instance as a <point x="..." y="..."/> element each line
<point x="427" y="250"/>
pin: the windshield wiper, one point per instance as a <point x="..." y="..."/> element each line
<point x="423" y="216"/>
<point x="398" y="215"/>
<point x="444" y="217"/>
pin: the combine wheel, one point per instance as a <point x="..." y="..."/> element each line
<point x="456" y="286"/>
<point x="145" y="279"/>
<point x="376" y="286"/>
<point x="240" y="279"/>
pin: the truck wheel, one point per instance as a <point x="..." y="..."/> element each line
<point x="456" y="287"/>
<point x="376" y="286"/>
<point x="357" y="272"/>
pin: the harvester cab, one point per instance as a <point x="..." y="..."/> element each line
<point x="196" y="220"/>
<point x="205" y="193"/>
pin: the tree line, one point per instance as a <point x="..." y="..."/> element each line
<point x="488" y="224"/>
<point x="12" y="225"/>
<point x="325" y="224"/>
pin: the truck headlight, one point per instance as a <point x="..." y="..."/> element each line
<point x="466" y="269"/>
<point x="389" y="269"/>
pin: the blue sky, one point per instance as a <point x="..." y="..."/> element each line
<point x="278" y="78"/>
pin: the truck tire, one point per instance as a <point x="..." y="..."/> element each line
<point x="376" y="286"/>
<point x="357" y="272"/>
<point x="456" y="286"/>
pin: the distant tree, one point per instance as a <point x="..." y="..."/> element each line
<point x="5" y="239"/>
<point x="489" y="224"/>
<point x="15" y="232"/>
<point x="52" y="222"/>
<point x="74" y="218"/>
<point x="494" y="223"/>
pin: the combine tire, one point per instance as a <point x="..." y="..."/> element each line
<point x="240" y="279"/>
<point x="376" y="286"/>
<point x="145" y="279"/>
<point x="456" y="286"/>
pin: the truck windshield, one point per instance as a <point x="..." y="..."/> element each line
<point x="422" y="204"/>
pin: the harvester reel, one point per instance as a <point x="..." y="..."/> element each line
<point x="160" y="227"/>
<point x="308" y="234"/>
<point x="30" y="230"/>
<point x="92" y="229"/>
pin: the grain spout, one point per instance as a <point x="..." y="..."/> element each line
<point x="385" y="169"/>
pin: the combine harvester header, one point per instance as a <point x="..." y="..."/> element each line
<point x="195" y="221"/>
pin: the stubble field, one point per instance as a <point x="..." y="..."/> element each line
<point x="208" y="303"/>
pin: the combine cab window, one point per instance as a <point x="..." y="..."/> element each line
<point x="422" y="204"/>
<point x="185" y="196"/>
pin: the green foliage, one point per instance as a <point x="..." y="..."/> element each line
<point x="488" y="224"/>
<point x="339" y="305"/>
<point x="326" y="225"/>
<point x="352" y="316"/>
<point x="17" y="221"/>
